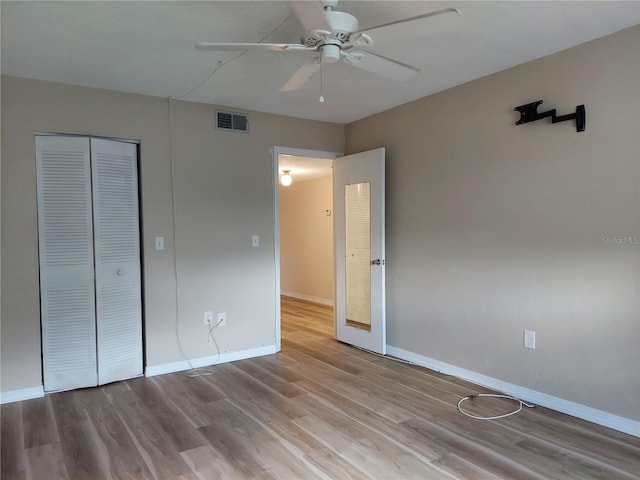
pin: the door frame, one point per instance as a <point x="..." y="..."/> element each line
<point x="276" y="151"/>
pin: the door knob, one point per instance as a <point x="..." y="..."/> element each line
<point x="375" y="262"/>
<point x="120" y="272"/>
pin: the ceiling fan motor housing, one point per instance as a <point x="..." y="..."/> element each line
<point x="329" y="44"/>
<point x="329" y="4"/>
<point x="341" y="22"/>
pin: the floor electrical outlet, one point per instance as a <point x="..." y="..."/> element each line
<point x="222" y="319"/>
<point x="208" y="318"/>
<point x="529" y="339"/>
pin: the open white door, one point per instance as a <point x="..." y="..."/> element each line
<point x="358" y="203"/>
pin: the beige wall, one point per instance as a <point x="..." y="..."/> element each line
<point x="494" y="228"/>
<point x="306" y="240"/>
<point x="224" y="194"/>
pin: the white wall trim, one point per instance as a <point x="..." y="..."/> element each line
<point x="22" y="394"/>
<point x="38" y="392"/>
<point x="599" y="417"/>
<point x="308" y="298"/>
<point x="154" y="370"/>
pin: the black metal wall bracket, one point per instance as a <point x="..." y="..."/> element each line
<point x="529" y="113"/>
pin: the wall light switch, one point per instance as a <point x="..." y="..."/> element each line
<point x="255" y="240"/>
<point x="159" y="243"/>
<point x="529" y="339"/>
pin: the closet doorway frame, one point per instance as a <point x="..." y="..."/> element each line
<point x="138" y="145"/>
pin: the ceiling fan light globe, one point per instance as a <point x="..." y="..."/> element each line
<point x="330" y="53"/>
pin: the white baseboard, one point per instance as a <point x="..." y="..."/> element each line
<point x="616" y="422"/>
<point x="308" y="298"/>
<point x="22" y="394"/>
<point x="153" y="370"/>
<point x="150" y="371"/>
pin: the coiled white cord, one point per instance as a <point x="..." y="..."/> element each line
<point x="494" y="395"/>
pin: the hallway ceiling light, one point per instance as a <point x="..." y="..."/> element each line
<point x="286" y="178"/>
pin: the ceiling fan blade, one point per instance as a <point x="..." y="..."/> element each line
<point x="411" y="19"/>
<point x="383" y="66"/>
<point x="301" y="77"/>
<point x="311" y="14"/>
<point x="277" y="47"/>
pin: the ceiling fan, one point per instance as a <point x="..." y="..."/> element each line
<point x="333" y="36"/>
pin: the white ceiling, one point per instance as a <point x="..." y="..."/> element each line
<point x="148" y="48"/>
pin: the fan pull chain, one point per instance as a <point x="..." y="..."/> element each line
<point x="321" y="99"/>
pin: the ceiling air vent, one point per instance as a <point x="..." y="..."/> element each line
<point x="236" y="122"/>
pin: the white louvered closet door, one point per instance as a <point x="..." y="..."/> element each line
<point x="66" y="262"/>
<point x="117" y="259"/>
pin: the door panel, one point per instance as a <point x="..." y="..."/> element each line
<point x="359" y="250"/>
<point x="67" y="298"/>
<point x="117" y="260"/>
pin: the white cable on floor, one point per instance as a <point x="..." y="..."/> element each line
<point x="493" y="395"/>
<point x="468" y="397"/>
<point x="205" y="371"/>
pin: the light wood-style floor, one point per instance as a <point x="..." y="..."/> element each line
<point x="318" y="409"/>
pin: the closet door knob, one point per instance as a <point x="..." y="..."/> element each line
<point x="120" y="272"/>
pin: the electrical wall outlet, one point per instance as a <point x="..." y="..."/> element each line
<point x="222" y="319"/>
<point x="529" y="339"/>
<point x="208" y="318"/>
